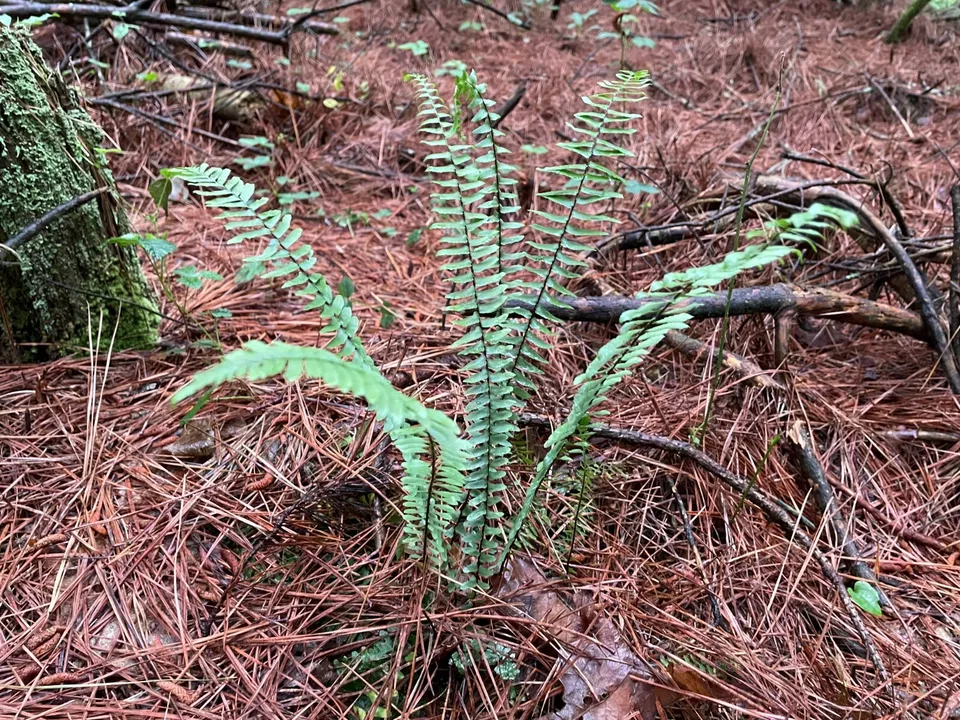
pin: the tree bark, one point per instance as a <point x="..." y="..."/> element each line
<point x="903" y="24"/>
<point x="55" y="283"/>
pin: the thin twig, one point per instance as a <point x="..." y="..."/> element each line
<point x="48" y="217"/>
<point x="801" y="443"/>
<point x="509" y="105"/>
<point x="144" y="16"/>
<point x="955" y="276"/>
<point x="500" y="13"/>
<point x="757" y="497"/>
<point x="691" y="538"/>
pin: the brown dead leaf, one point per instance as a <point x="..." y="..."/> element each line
<point x="196" y="442"/>
<point x="602" y="675"/>
<point x="697" y="683"/>
<point x="200" y="437"/>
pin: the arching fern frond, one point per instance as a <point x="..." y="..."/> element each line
<point x="640" y="331"/>
<point x="284" y="252"/>
<point x="431" y="489"/>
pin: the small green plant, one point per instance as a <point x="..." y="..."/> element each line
<point x="365" y="669"/>
<point x="158" y="251"/>
<point x="578" y="22"/>
<point x="418" y="48"/>
<point x="866" y="597"/>
<point x="474" y="654"/>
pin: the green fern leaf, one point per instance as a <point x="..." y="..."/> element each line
<point x="288" y="257"/>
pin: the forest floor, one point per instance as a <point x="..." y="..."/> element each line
<point x="148" y="575"/>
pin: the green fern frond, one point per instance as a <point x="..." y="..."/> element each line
<point x="469" y="204"/>
<point x="431" y="489"/>
<point x="573" y="216"/>
<point x="641" y="330"/>
<point x="806" y="227"/>
<point x="288" y="257"/>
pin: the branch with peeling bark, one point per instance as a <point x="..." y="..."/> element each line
<point x="766" y="299"/>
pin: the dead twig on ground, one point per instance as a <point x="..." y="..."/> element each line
<point x="500" y="13"/>
<point x="955" y="275"/>
<point x="766" y="299"/>
<point x="509" y="106"/>
<point x="802" y="445"/>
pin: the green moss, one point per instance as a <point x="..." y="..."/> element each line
<point x="68" y="274"/>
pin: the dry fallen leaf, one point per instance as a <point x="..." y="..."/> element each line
<point x="602" y="675"/>
<point x="196" y="442"/>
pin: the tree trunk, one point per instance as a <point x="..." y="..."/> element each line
<point x="903" y="24"/>
<point x="55" y="284"/>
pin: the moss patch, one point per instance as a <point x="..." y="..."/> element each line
<point x="68" y="274"/>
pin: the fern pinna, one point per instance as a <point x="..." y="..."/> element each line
<point x="492" y="259"/>
<point x="427" y="441"/>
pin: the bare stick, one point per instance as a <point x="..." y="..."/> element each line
<point x="805" y="454"/>
<point x="509" y="105"/>
<point x="500" y="13"/>
<point x="146" y="16"/>
<point x="206" y="43"/>
<point x="765" y="299"/>
<point x="48" y="217"/>
<point x="955" y="275"/>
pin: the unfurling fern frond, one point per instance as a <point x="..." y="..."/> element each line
<point x="284" y="252"/>
<point x="640" y="331"/>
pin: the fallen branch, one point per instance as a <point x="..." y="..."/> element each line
<point x="509" y="105"/>
<point x="744" y="367"/>
<point x="955" y="275"/>
<point x="757" y="497"/>
<point x="208" y="44"/>
<point x="919" y="284"/>
<point x="286" y="24"/>
<point x="281" y="37"/>
<point x="766" y="299"/>
<point x="802" y="446"/>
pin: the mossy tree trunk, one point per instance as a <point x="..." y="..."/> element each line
<point x="903" y="24"/>
<point x="54" y="284"/>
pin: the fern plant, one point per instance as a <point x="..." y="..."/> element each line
<point x="455" y="486"/>
<point x="493" y="259"/>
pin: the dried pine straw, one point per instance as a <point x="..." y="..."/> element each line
<point x="114" y="555"/>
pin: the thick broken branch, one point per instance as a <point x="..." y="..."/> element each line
<point x="766" y="299"/>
